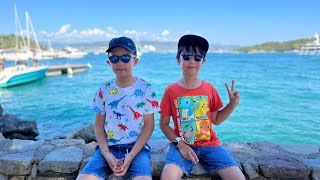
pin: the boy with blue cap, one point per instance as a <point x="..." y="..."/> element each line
<point x="125" y="108"/>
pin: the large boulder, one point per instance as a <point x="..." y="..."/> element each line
<point x="13" y="127"/>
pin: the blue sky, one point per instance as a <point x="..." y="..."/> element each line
<point x="244" y="22"/>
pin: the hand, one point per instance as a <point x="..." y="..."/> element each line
<point x="187" y="152"/>
<point x="234" y="96"/>
<point x="114" y="163"/>
<point x="125" y="165"/>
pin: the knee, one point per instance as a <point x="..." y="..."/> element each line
<point x="171" y="172"/>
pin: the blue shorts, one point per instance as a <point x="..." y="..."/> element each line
<point x="140" y="166"/>
<point x="212" y="159"/>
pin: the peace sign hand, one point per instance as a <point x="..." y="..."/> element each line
<point x="234" y="96"/>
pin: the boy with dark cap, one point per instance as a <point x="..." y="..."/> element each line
<point x="194" y="106"/>
<point x="124" y="122"/>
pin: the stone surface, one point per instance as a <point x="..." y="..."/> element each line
<point x="16" y="164"/>
<point x="66" y="160"/>
<point x="300" y="149"/>
<point x="279" y="166"/>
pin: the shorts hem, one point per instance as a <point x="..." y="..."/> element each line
<point x="183" y="169"/>
<point x="93" y="174"/>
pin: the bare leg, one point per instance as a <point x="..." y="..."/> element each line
<point x="171" y="172"/>
<point x="231" y="173"/>
<point x="86" y="177"/>
<point x="142" y="178"/>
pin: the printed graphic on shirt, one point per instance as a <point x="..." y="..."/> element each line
<point x="124" y="109"/>
<point x="194" y="123"/>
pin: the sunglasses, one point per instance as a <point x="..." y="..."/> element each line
<point x="196" y="57"/>
<point x="124" y="58"/>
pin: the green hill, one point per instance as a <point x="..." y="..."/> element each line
<point x="9" y="42"/>
<point x="276" y="46"/>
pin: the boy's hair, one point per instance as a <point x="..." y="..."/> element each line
<point x="122" y="42"/>
<point x="191" y="42"/>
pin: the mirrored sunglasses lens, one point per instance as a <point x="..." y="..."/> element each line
<point x="114" y="59"/>
<point x="186" y="57"/>
<point x="125" y="58"/>
<point x="198" y="58"/>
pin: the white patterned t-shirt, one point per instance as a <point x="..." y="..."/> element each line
<point x="124" y="109"/>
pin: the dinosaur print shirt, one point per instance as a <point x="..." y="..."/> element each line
<point x="191" y="112"/>
<point x="124" y="109"/>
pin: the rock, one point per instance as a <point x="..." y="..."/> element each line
<point x="85" y="133"/>
<point x="281" y="167"/>
<point x="1" y="110"/>
<point x="15" y="128"/>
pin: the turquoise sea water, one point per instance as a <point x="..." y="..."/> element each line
<point x="280" y="95"/>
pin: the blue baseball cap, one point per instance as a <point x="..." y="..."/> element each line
<point x="122" y="42"/>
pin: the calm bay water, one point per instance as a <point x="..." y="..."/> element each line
<point x="280" y="95"/>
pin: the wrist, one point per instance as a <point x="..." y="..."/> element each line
<point x="130" y="155"/>
<point x="232" y="105"/>
<point x="176" y="141"/>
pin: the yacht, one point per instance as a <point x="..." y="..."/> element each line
<point x="312" y="48"/>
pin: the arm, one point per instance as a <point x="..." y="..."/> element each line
<point x="185" y="150"/>
<point x="141" y="142"/>
<point x="101" y="137"/>
<point x="219" y="116"/>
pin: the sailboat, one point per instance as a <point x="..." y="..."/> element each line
<point x="21" y="72"/>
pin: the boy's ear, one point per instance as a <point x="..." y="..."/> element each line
<point x="136" y="60"/>
<point x="109" y="62"/>
<point x="204" y="60"/>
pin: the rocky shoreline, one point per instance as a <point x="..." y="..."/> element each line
<point x="64" y="158"/>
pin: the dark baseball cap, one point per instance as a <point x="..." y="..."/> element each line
<point x="122" y="42"/>
<point x="194" y="40"/>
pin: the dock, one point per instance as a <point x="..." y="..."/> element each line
<point x="67" y="69"/>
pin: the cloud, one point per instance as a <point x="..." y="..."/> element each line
<point x="64" y="28"/>
<point x="165" y="33"/>
<point x="70" y="35"/>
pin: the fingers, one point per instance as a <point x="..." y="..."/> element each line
<point x="229" y="91"/>
<point x="193" y="157"/>
<point x="233" y="84"/>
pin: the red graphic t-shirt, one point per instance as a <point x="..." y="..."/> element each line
<point x="191" y="112"/>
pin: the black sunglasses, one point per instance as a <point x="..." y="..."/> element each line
<point x="196" y="57"/>
<point x="124" y="58"/>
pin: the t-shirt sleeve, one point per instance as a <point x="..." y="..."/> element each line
<point x="165" y="107"/>
<point x="215" y="101"/>
<point x="98" y="102"/>
<point x="152" y="104"/>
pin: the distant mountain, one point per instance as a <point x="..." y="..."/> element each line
<point x="146" y="46"/>
<point x="276" y="46"/>
<point x="9" y="42"/>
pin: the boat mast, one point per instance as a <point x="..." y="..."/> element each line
<point x="18" y="29"/>
<point x="28" y="22"/>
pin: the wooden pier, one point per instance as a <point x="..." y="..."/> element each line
<point x="67" y="69"/>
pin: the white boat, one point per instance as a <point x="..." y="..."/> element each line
<point x="72" y="53"/>
<point x="20" y="74"/>
<point x="312" y="48"/>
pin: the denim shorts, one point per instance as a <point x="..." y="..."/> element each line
<point x="212" y="159"/>
<point x="140" y="166"/>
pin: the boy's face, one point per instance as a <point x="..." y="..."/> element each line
<point x="120" y="68"/>
<point x="192" y="66"/>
